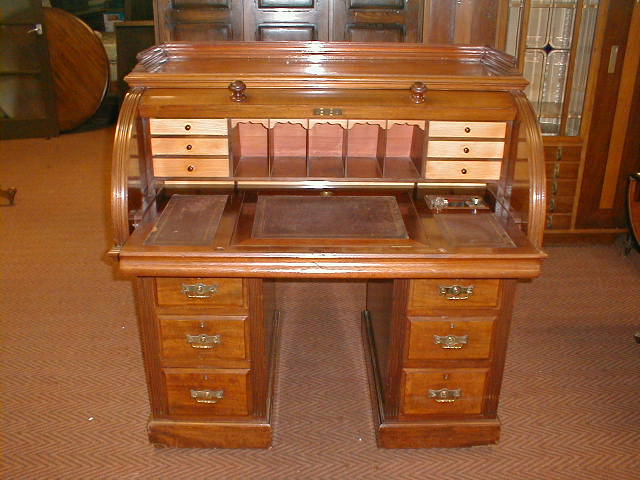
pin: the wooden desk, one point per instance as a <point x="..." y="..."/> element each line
<point x="419" y="169"/>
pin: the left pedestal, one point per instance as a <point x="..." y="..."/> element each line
<point x="209" y="347"/>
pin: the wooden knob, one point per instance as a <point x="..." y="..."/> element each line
<point x="187" y="127"/>
<point x="418" y="90"/>
<point x="189" y="147"/>
<point x="463" y="171"/>
<point x="237" y="88"/>
<point x="465" y="149"/>
<point x="190" y="168"/>
<point x="467" y="130"/>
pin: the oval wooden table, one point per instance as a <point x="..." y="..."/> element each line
<point x="80" y="67"/>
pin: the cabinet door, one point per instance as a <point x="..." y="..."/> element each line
<point x="377" y="21"/>
<point x="198" y="20"/>
<point x="286" y="20"/>
<point x="613" y="139"/>
<point x="27" y="104"/>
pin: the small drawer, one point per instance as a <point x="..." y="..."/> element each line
<point x="449" y="339"/>
<point x="463" y="170"/>
<point x="452" y="149"/>
<point x="186" y="126"/>
<point x="426" y="295"/>
<point x="443" y="392"/>
<point x="203" y="393"/>
<point x="190" y="146"/>
<point x="207" y="292"/>
<point x="203" y="340"/>
<point x="191" y="167"/>
<point x="468" y="129"/>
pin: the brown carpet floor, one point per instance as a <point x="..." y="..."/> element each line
<point x="74" y="402"/>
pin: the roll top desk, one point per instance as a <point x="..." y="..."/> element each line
<point x="419" y="169"/>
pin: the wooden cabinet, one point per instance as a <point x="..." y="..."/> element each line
<point x="581" y="57"/>
<point x="480" y="22"/>
<point x="326" y="167"/>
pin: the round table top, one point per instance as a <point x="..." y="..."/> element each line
<point x="80" y="67"/>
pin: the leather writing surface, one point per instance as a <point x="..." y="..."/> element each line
<point x="188" y="220"/>
<point x="298" y="216"/>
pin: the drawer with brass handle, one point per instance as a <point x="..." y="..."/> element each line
<point x="226" y="293"/>
<point x="207" y="392"/>
<point x="190" y="167"/>
<point x="453" y="338"/>
<point x="186" y="126"/>
<point x="203" y="340"/>
<point x="430" y="294"/>
<point x="189" y="146"/>
<point x="470" y="149"/>
<point x="443" y="392"/>
<point x="467" y="129"/>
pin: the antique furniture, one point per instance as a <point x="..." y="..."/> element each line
<point x="582" y="58"/>
<point x="477" y="22"/>
<point x="27" y="99"/>
<point x="417" y="168"/>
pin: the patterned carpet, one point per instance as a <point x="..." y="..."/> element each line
<point x="74" y="402"/>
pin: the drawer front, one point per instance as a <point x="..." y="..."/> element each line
<point x="450" y="339"/>
<point x="189" y="146"/>
<point x="204" y="393"/>
<point x="203" y="340"/>
<point x="468" y="129"/>
<point x="463" y="170"/>
<point x="453" y="293"/>
<point x="191" y="167"/>
<point x="186" y="126"/>
<point x="443" y="392"/>
<point x="451" y="149"/>
<point x="206" y="292"/>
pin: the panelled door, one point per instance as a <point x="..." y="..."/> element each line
<point x="286" y="20"/>
<point x="377" y="21"/>
<point x="27" y="102"/>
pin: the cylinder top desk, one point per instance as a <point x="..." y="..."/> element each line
<point x="416" y="168"/>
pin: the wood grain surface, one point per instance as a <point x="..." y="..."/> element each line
<point x="80" y="67"/>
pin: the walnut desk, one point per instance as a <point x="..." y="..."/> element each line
<point x="417" y="168"/>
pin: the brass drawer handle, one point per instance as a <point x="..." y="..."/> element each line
<point x="451" y="341"/>
<point x="207" y="396"/>
<point x="456" y="292"/>
<point x="204" y="341"/>
<point x="199" y="290"/>
<point x="444" y="395"/>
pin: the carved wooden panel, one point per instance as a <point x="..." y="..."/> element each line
<point x="198" y="20"/>
<point x="376" y="21"/>
<point x="286" y="20"/>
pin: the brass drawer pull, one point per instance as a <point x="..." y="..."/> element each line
<point x="451" y="341"/>
<point x="204" y="341"/>
<point x="199" y="290"/>
<point x="444" y="395"/>
<point x="207" y="396"/>
<point x="456" y="292"/>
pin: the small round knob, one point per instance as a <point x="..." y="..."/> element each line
<point x="237" y="88"/>
<point x="189" y="147"/>
<point x="418" y="90"/>
<point x="467" y="130"/>
<point x="463" y="171"/>
<point x="187" y="127"/>
<point x="465" y="149"/>
<point x="190" y="168"/>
